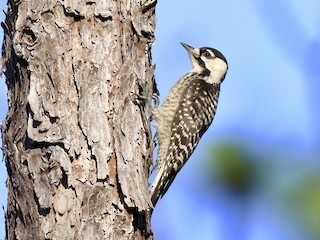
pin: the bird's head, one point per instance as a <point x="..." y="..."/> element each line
<point x="208" y="62"/>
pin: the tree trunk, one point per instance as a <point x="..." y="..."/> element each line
<point x="77" y="138"/>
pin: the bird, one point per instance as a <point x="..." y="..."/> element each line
<point x="186" y="114"/>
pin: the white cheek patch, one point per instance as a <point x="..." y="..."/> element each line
<point x="218" y="68"/>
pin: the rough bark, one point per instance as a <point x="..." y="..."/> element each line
<point x="77" y="137"/>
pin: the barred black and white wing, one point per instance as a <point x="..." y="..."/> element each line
<point x="197" y="107"/>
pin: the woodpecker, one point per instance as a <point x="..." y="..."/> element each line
<point x="186" y="114"/>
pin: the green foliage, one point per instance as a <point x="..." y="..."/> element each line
<point x="303" y="199"/>
<point x="234" y="167"/>
<point x="286" y="178"/>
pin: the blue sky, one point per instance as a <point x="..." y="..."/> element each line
<point x="269" y="97"/>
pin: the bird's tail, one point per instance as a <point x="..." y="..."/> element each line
<point x="156" y="188"/>
<point x="161" y="184"/>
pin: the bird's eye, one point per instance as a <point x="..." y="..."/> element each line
<point x="207" y="54"/>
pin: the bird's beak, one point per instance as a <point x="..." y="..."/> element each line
<point x="193" y="52"/>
